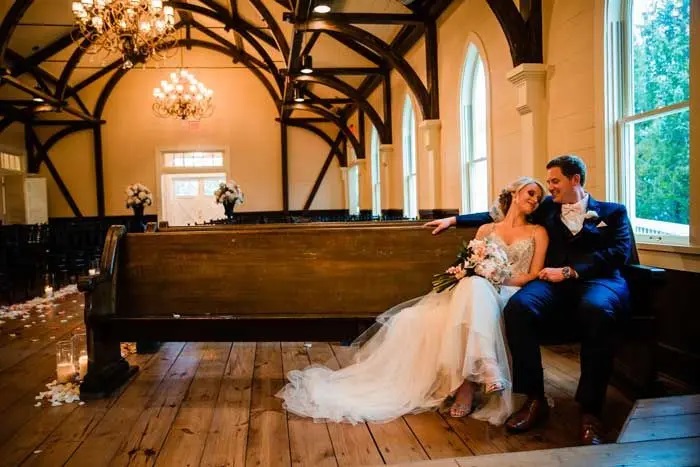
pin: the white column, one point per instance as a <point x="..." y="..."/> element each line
<point x="529" y="81"/>
<point x="429" y="179"/>
<point x="386" y="154"/>
<point x="344" y="184"/>
<point x="364" y="184"/>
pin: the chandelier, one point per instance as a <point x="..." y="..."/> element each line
<point x="135" y="29"/>
<point x="183" y="97"/>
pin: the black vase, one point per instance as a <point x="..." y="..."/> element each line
<point x="228" y="210"/>
<point x="139" y="224"/>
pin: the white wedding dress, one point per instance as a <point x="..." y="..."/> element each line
<point x="421" y="353"/>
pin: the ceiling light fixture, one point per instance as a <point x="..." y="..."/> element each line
<point x="322" y="7"/>
<point x="307" y="65"/>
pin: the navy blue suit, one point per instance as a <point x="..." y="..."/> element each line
<point x="586" y="308"/>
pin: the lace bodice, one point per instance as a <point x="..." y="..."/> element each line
<point x="520" y="252"/>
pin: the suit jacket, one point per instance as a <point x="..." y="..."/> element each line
<point x="596" y="253"/>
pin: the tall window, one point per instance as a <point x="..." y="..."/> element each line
<point x="647" y="58"/>
<point x="376" y="174"/>
<point x="474" y="134"/>
<point x="410" y="186"/>
<point x="354" y="190"/>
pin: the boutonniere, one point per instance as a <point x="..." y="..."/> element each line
<point x="591" y="215"/>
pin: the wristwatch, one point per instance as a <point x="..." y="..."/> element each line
<point x="567" y="272"/>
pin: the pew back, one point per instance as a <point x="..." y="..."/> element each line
<point x="310" y="270"/>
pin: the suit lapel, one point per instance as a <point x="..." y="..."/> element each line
<point x="589" y="225"/>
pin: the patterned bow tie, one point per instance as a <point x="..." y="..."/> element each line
<point x="575" y="208"/>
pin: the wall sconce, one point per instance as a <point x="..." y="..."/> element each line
<point x="306" y="65"/>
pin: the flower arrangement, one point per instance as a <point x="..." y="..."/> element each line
<point x="478" y="258"/>
<point x="138" y="195"/>
<point x="229" y="193"/>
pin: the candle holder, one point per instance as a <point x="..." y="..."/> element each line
<point x="80" y="356"/>
<point x="65" y="369"/>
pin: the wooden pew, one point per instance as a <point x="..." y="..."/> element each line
<point x="311" y="283"/>
<point x="290" y="282"/>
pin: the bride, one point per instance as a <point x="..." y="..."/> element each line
<point x="431" y="347"/>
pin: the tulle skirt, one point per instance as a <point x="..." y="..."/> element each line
<point x="417" y="354"/>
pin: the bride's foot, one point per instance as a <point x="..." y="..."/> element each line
<point x="464" y="398"/>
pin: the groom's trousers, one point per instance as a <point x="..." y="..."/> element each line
<point x="587" y="311"/>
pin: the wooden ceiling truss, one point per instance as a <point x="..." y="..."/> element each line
<point x="522" y="28"/>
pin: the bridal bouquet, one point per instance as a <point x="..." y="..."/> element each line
<point x="229" y="193"/>
<point x="138" y="195"/>
<point x="477" y="258"/>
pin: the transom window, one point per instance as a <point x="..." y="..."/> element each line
<point x="648" y="113"/>
<point x="194" y="159"/>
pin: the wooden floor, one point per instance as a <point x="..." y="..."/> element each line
<point x="213" y="404"/>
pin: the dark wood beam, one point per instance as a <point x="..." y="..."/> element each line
<point x="324" y="170"/>
<point x="235" y="51"/>
<point x="333" y="118"/>
<point x="341" y="86"/>
<point x="357" y="48"/>
<point x="369" y="18"/>
<point x="301" y="12"/>
<point x="310" y="43"/>
<point x="364" y="38"/>
<point x="39" y="56"/>
<point x="295" y="120"/>
<point x="61" y="105"/>
<point x="361" y="128"/>
<point x="99" y="170"/>
<point x="316" y="99"/>
<point x="33" y="162"/>
<point x="524" y="36"/>
<point x="97" y="75"/>
<point x="386" y="81"/>
<point x="44" y="157"/>
<point x="8" y="25"/>
<point x="285" y="168"/>
<point x="17" y="102"/>
<point x="277" y="33"/>
<point x="47" y="122"/>
<point x="338" y="100"/>
<point x="236" y="37"/>
<point x="431" y="61"/>
<point x="349" y="71"/>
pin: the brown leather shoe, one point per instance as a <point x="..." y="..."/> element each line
<point x="533" y="412"/>
<point x="591" y="430"/>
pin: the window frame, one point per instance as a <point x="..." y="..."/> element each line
<point x="410" y="160"/>
<point x="375" y="173"/>
<point x="467" y="128"/>
<point x="621" y="116"/>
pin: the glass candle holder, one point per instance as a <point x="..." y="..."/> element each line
<point x="80" y="355"/>
<point x="65" y="369"/>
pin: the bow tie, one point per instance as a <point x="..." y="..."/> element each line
<point x="575" y="208"/>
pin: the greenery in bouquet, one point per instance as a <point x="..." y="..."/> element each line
<point x="138" y="195"/>
<point x="477" y="258"/>
<point x="229" y="193"/>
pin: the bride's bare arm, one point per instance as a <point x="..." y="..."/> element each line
<point x="541" y="242"/>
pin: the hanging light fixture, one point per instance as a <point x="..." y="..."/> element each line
<point x="322" y="7"/>
<point x="298" y="93"/>
<point x="307" y="65"/>
<point x="135" y="29"/>
<point x="183" y="97"/>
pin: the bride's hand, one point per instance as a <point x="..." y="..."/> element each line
<point x="441" y="224"/>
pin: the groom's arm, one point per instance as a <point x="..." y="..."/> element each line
<point x="473" y="220"/>
<point x="614" y="254"/>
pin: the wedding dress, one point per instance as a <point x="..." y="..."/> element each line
<point x="418" y="353"/>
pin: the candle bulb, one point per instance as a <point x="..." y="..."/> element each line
<point x="83" y="366"/>
<point x="64" y="372"/>
<point x="92" y="271"/>
<point x="48" y="291"/>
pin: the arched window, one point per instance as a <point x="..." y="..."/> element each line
<point x="410" y="187"/>
<point x="647" y="114"/>
<point x="474" y="134"/>
<point x="354" y="190"/>
<point x="376" y="174"/>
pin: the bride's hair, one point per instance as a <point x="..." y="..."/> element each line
<point x="505" y="198"/>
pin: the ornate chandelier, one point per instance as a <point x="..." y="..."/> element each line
<point x="133" y="28"/>
<point x="183" y="97"/>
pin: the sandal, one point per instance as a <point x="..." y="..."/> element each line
<point x="494" y="387"/>
<point x="460" y="410"/>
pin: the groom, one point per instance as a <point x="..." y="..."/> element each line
<point x="580" y="290"/>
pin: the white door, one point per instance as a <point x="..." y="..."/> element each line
<point x="188" y="199"/>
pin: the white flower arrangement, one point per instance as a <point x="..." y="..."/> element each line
<point x="138" y="195"/>
<point x="229" y="193"/>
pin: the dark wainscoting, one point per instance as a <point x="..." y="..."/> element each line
<point x="429" y="214"/>
<point x="678" y="350"/>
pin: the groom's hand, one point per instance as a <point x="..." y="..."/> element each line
<point x="441" y="224"/>
<point x="552" y="275"/>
